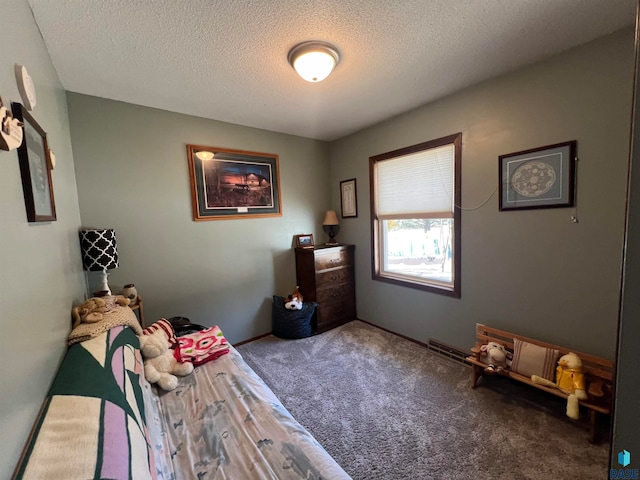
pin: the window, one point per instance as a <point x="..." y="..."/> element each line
<point x="415" y="218"/>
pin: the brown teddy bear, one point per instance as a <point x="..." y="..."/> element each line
<point x="94" y="309"/>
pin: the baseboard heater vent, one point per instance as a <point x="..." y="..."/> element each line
<point x="447" y="351"/>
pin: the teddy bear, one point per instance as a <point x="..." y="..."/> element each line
<point x="497" y="358"/>
<point x="160" y="364"/>
<point x="570" y="380"/>
<point x="294" y="301"/>
<point x="94" y="309"/>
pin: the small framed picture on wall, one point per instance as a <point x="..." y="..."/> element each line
<point x="348" y="198"/>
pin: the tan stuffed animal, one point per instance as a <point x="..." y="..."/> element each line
<point x="569" y="380"/>
<point x="94" y="309"/>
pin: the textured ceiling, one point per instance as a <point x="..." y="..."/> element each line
<point x="227" y="59"/>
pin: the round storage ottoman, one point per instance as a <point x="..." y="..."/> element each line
<point x="292" y="324"/>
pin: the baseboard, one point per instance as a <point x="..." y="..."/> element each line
<point x="422" y="344"/>
<point x="252" y="339"/>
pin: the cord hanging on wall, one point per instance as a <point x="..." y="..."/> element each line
<point x="471" y="209"/>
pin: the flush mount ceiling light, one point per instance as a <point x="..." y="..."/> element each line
<point x="313" y="61"/>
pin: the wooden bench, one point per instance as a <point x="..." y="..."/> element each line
<point x="598" y="372"/>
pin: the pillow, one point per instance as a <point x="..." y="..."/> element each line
<point x="530" y="359"/>
<point x="164" y="325"/>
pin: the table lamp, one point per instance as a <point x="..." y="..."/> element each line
<point x="99" y="252"/>
<point x="331" y="226"/>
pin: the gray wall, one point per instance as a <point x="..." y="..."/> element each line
<point x="132" y="175"/>
<point x="533" y="272"/>
<point x="40" y="269"/>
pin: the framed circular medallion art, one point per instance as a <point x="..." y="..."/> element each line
<point x="538" y="178"/>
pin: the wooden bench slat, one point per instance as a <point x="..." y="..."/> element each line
<point x="483" y="330"/>
<point x="593" y="366"/>
<point x="554" y="391"/>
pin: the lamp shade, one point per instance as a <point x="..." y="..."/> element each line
<point x="331" y="226"/>
<point x="330" y="218"/>
<point x="99" y="252"/>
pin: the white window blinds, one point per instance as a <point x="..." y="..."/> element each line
<point x="418" y="185"/>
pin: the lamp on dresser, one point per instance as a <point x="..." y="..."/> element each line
<point x="99" y="252"/>
<point x="331" y="226"/>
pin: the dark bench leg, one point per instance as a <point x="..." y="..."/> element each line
<point x="477" y="373"/>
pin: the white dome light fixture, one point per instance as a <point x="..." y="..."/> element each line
<point x="313" y="61"/>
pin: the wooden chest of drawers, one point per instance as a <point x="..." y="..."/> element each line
<point x="325" y="275"/>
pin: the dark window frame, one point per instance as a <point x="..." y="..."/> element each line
<point x="455" y="290"/>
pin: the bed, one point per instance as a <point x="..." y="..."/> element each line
<point x="102" y="419"/>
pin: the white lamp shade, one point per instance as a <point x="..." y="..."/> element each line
<point x="313" y="61"/>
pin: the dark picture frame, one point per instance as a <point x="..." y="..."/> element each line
<point x="231" y="184"/>
<point x="304" y="240"/>
<point x="542" y="177"/>
<point x="348" y="198"/>
<point x="35" y="168"/>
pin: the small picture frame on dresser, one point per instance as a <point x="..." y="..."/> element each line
<point x="304" y="240"/>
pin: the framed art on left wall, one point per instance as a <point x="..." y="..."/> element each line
<point x="35" y="168"/>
